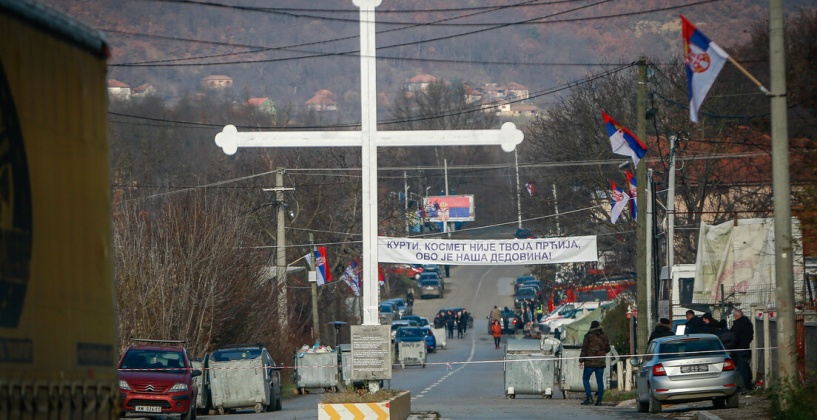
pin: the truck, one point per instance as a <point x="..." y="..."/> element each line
<point x="734" y="269"/>
<point x="58" y="341"/>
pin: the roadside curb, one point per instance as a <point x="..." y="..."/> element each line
<point x="424" y="415"/>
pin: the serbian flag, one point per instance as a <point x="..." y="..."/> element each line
<point x="618" y="199"/>
<point x="633" y="194"/>
<point x="530" y="188"/>
<point x="704" y="60"/>
<point x="352" y="277"/>
<point x="322" y="266"/>
<point x="623" y="140"/>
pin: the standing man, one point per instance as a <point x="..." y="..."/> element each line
<point x="460" y="324"/>
<point x="593" y="359"/>
<point x="744" y="334"/>
<point x="662" y="329"/>
<point x="695" y="324"/>
<point x="410" y="303"/>
<point x="465" y="318"/>
<point x="495" y="316"/>
<point x="450" y="322"/>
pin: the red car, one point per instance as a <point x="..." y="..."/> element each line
<point x="411" y="271"/>
<point x="157" y="380"/>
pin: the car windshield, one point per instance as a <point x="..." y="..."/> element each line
<point x="386" y="308"/>
<point x="164" y="360"/>
<point x="236" y="354"/>
<point x="410" y="332"/>
<point x="429" y="283"/>
<point x="526" y="291"/>
<point x="399" y="325"/>
<point x="427" y="276"/>
<point x="686" y="347"/>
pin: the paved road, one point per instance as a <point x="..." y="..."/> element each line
<point x="465" y="380"/>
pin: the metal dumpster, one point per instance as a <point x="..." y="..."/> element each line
<point x="411" y="353"/>
<point x="441" y="335"/>
<point x="240" y="384"/>
<point x="530" y="367"/>
<point x="316" y="370"/>
<point x="345" y="363"/>
<point x="570" y="376"/>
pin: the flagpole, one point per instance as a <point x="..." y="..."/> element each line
<point x="518" y="200"/>
<point x="749" y="75"/>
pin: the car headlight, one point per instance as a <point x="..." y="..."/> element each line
<point x="123" y="384"/>
<point x="178" y="387"/>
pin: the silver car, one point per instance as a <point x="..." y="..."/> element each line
<point x="430" y="288"/>
<point x="685" y="368"/>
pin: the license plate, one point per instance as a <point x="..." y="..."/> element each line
<point x="148" y="409"/>
<point x="694" y="368"/>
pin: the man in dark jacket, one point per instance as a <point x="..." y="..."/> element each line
<point x="744" y="334"/>
<point x="695" y="324"/>
<point x="727" y="337"/>
<point x="593" y="359"/>
<point x="662" y="329"/>
<point x="450" y="322"/>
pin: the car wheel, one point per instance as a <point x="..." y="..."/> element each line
<point x="639" y="406"/>
<point x="719" y="402"/>
<point x="278" y="404"/>
<point x="654" y="406"/>
<point x="733" y="401"/>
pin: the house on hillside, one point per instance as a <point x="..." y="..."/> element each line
<point x="525" y="110"/>
<point x="145" y="89"/>
<point x="118" y="91"/>
<point x="324" y="100"/>
<point x="420" y="82"/>
<point x="472" y="94"/>
<point x="265" y="105"/>
<point x="216" y="81"/>
<point x="515" y="91"/>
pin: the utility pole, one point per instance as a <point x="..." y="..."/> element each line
<point x="556" y="209"/>
<point x="642" y="234"/>
<point x="783" y="252"/>
<point x="316" y="325"/>
<point x="649" y="250"/>
<point x="406" y="200"/>
<point x="518" y="200"/>
<point x="445" y="223"/>
<point x="280" y="249"/>
<point x="671" y="218"/>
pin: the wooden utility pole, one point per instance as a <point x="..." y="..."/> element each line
<point x="313" y="282"/>
<point x="281" y="250"/>
<point x="643" y="273"/>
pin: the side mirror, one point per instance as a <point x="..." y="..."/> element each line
<point x="195" y="373"/>
<point x="635" y="361"/>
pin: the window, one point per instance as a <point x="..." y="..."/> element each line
<point x="676" y="349"/>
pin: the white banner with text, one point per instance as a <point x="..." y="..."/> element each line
<point x="487" y="252"/>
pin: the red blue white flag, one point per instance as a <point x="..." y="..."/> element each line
<point x="633" y="194"/>
<point x="704" y="60"/>
<point x="618" y="200"/>
<point x="624" y="142"/>
<point x="322" y="266"/>
<point x="352" y="277"/>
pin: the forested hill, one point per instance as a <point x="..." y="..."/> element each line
<point x="289" y="49"/>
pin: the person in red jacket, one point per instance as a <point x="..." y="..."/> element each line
<point x="496" y="331"/>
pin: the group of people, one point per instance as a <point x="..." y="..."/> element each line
<point x="451" y="320"/>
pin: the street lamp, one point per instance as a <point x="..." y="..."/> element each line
<point x="337" y="325"/>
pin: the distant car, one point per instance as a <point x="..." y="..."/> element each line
<point x="411" y="271"/>
<point x="433" y="268"/>
<point x="432" y="276"/>
<point x="520" y="280"/>
<point x="420" y="320"/>
<point x="408" y="334"/>
<point x="430" y="288"/>
<point x="400" y="305"/>
<point x="508" y="321"/>
<point x="524" y="293"/>
<point x="387" y="314"/>
<point x="397" y="325"/>
<point x="685" y="368"/>
<point x="157" y="380"/>
<point x="431" y="341"/>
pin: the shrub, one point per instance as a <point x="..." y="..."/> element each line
<point x="792" y="400"/>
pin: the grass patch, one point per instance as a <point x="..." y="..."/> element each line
<point x="792" y="400"/>
<point x="618" y="396"/>
<point x="351" y="395"/>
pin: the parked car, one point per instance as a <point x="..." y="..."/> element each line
<point x="407" y="334"/>
<point x="431" y="341"/>
<point x="399" y="324"/>
<point x="433" y="268"/>
<point x="421" y="320"/>
<point x="387" y="314"/>
<point x="411" y="271"/>
<point x="508" y="320"/>
<point x="157" y="379"/>
<point x="685" y="368"/>
<point x="432" y="276"/>
<point x="243" y="377"/>
<point x="430" y="288"/>
<point x="520" y="280"/>
<point x="400" y="306"/>
<point x="524" y="293"/>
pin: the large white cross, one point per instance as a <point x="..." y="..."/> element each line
<point x="508" y="136"/>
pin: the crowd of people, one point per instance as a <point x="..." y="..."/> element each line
<point x="451" y="320"/>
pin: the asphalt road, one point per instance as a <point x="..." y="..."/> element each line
<point x="466" y="379"/>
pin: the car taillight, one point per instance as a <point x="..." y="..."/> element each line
<point x="514" y="321"/>
<point x="658" y="370"/>
<point x="728" y="364"/>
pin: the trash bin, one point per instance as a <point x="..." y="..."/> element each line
<point x="440" y="334"/>
<point x="530" y="367"/>
<point x="316" y="369"/>
<point x="570" y="376"/>
<point x="412" y="353"/>
<point x="345" y="363"/>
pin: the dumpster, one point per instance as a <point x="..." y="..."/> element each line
<point x="570" y="376"/>
<point x="316" y="368"/>
<point x="441" y="335"/>
<point x="237" y="384"/>
<point x="530" y="367"/>
<point x="411" y="353"/>
<point x="345" y="351"/>
<point x="202" y="398"/>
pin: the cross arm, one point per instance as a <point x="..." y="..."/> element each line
<point x="508" y="137"/>
<point x="229" y="139"/>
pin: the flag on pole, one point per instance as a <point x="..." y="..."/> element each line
<point x="381" y="276"/>
<point x="633" y="193"/>
<point x="530" y="187"/>
<point x="624" y="142"/>
<point x="352" y="277"/>
<point x="322" y="266"/>
<point x="704" y="60"/>
<point x="618" y="200"/>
